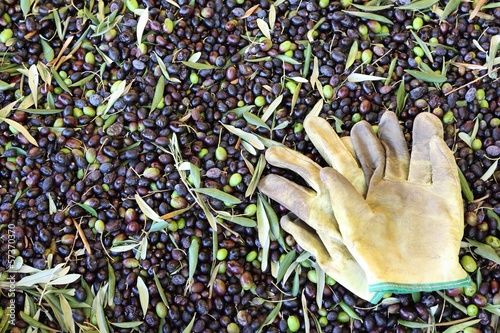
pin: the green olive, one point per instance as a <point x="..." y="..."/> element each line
<point x="417" y="23"/>
<point x="293" y="323"/>
<point x="468" y="263"/>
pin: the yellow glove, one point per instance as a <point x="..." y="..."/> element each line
<point x="406" y="234"/>
<point x="319" y="235"/>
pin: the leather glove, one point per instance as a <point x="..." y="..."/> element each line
<point x="319" y="235"/>
<point x="406" y="233"/>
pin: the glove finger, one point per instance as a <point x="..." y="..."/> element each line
<point x="284" y="157"/>
<point x="347" y="203"/>
<point x="369" y="151"/>
<point x="294" y="197"/>
<point x="396" y="149"/>
<point x="444" y="167"/>
<point x="332" y="256"/>
<point x="425" y="127"/>
<point x="333" y="150"/>
<point x="347" y="142"/>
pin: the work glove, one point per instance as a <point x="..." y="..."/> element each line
<point x="319" y="233"/>
<point x="406" y="232"/>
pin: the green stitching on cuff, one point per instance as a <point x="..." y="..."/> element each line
<point x="377" y="296"/>
<point x="404" y="288"/>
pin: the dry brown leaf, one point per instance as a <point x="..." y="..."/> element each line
<point x="249" y="12"/>
<point x="82" y="236"/>
<point x="477" y="8"/>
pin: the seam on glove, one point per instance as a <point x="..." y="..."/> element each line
<point x="408" y="288"/>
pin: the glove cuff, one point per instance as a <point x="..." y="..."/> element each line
<point x="404" y="288"/>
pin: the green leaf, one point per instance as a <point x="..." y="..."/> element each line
<point x="196" y="65"/>
<point x="248" y="137"/>
<point x="239" y="220"/>
<point x="141" y="23"/>
<point x="89" y="209"/>
<point x="271" y="316"/>
<point x="494" y="45"/>
<point x="272" y="107"/>
<point x="35" y="323"/>
<point x="460" y="327"/>
<point x="287" y="59"/>
<point x="18" y="127"/>
<point x="161" y="292"/>
<point x="307" y="325"/>
<point x="158" y="96"/>
<point x="427" y="77"/>
<point x="485" y="251"/>
<point x="5" y="86"/>
<point x="146" y="209"/>
<point x="466" y="191"/>
<point x="193" y="252"/>
<point x="320" y="283"/>
<point x="33" y="83"/>
<point x="372" y="8"/>
<point x="257" y="174"/>
<point x="352" y="55"/>
<point x="284" y="264"/>
<point x="418" y="5"/>
<point x="451" y="6"/>
<point x="48" y="52"/>
<point x="264" y="27"/>
<point x="491" y="170"/>
<point x="241" y="110"/>
<point x="254" y="120"/>
<point x="412" y="324"/>
<point x="60" y="81"/>
<point x="347" y="309"/>
<point x="370" y="16"/>
<point x="67" y="314"/>
<point x="143" y="295"/>
<point x="218" y="194"/>
<point x="263" y="229"/>
<point x="128" y="324"/>
<point x="423" y="46"/>
<point x="356" y="77"/>
<point x="83" y="81"/>
<point x="450" y="300"/>
<point x="26" y="7"/>
<point x="112" y="284"/>
<point x="400" y="97"/>
<point x="189" y="327"/>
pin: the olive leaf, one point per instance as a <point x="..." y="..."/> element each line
<point x="189" y="327"/>
<point x="141" y="23"/>
<point x="161" y="292"/>
<point x="199" y="66"/>
<point x="89" y="209"/>
<point x="494" y="45"/>
<point x="371" y="8"/>
<point x="351" y="57"/>
<point x="356" y="77"/>
<point x="98" y="309"/>
<point x="370" y="16"/>
<point x="143" y="295"/>
<point x="264" y="28"/>
<point x="248" y="137"/>
<point x="111" y="283"/>
<point x="466" y="191"/>
<point x="263" y="230"/>
<point x="272" y="16"/>
<point x="195" y="57"/>
<point x="26" y="7"/>
<point x="158" y="96"/>
<point x="60" y="81"/>
<point x="320" y="283"/>
<point x="254" y="120"/>
<point x="271" y="108"/>
<point x="287" y="59"/>
<point x="418" y="5"/>
<point x="271" y="316"/>
<point x="423" y="46"/>
<point x="128" y="324"/>
<point x="193" y="252"/>
<point x="401" y="97"/>
<point x="460" y="327"/>
<point x="67" y="314"/>
<point x="307" y="325"/>
<point x="146" y="209"/>
<point x="83" y="81"/>
<point x="451" y="6"/>
<point x="450" y="300"/>
<point x="218" y="194"/>
<point x="284" y="265"/>
<point x="163" y="69"/>
<point x="18" y="127"/>
<point x="33" y="322"/>
<point x="347" y="309"/>
<point x="427" y="77"/>
<point x="6" y="86"/>
<point x="485" y="251"/>
<point x="412" y="324"/>
<point x="307" y="59"/>
<point x="491" y="170"/>
<point x="259" y="169"/>
<point x="239" y="220"/>
<point x="298" y="79"/>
